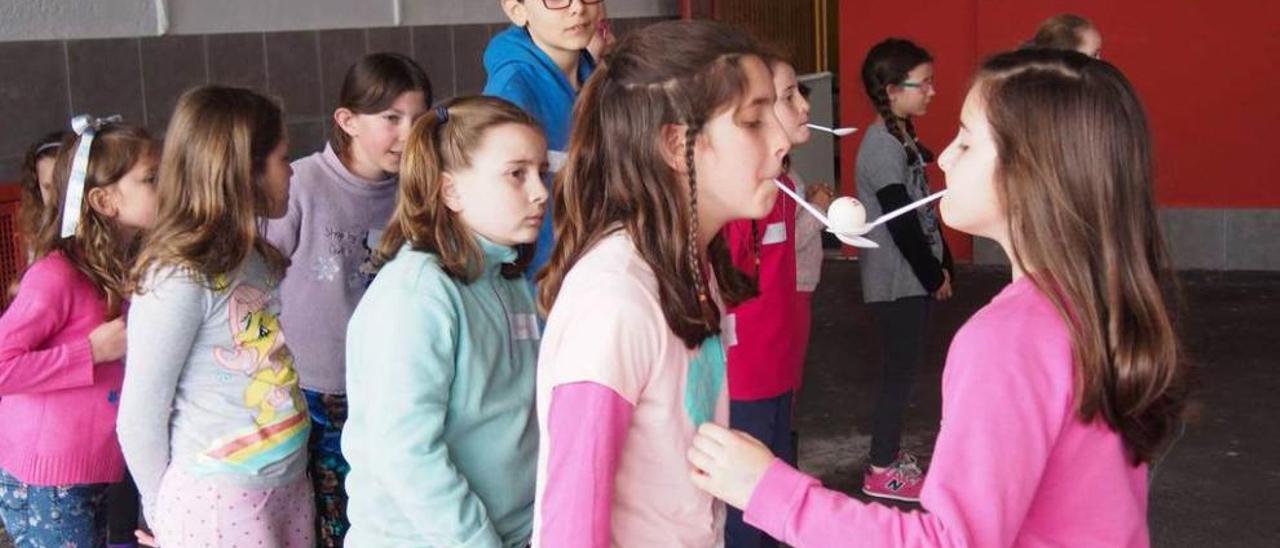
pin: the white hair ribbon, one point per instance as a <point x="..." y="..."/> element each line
<point x="85" y="126"/>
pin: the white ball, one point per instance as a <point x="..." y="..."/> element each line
<point x="846" y="215"/>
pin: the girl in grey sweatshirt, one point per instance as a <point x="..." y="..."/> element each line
<point x="212" y="423"/>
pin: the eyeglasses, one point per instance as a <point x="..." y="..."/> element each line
<point x="562" y="4"/>
<point x="926" y="85"/>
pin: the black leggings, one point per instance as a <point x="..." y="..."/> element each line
<point x="902" y="326"/>
<point x="122" y="511"/>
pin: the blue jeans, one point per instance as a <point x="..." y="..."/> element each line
<point x="768" y="420"/>
<point x="66" y="516"/>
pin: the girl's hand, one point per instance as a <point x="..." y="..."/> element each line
<point x="944" y="292"/>
<point x="820" y="195"/>
<point x="106" y="341"/>
<point x="145" y="538"/>
<point x="728" y="464"/>
<point x="602" y="40"/>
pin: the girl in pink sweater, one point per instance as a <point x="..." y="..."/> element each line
<point x="62" y="340"/>
<point x="1059" y="393"/>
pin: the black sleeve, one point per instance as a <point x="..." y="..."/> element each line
<point x="909" y="237"/>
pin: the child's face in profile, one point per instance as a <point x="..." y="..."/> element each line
<point x="565" y="30"/>
<point x="132" y="199"/>
<point x="377" y="139"/>
<point x="792" y="108"/>
<point x="739" y="153"/>
<point x="913" y="95"/>
<point x="276" y="173"/>
<point x="502" y="196"/>
<point x="969" y="162"/>
<point x="44" y="177"/>
<point x="1090" y="42"/>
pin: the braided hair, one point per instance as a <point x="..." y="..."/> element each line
<point x="618" y="174"/>
<point x="888" y="63"/>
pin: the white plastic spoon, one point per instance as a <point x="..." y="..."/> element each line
<point x="902" y="210"/>
<point x="838" y="132"/>
<point x="893" y="214"/>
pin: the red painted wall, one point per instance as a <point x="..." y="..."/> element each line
<point x="1204" y="71"/>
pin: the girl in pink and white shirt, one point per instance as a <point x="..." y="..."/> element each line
<point x="675" y="136"/>
<point x="1059" y="393"/>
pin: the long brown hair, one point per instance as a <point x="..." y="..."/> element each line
<point x="96" y="249"/>
<point x="675" y="72"/>
<point x="371" y="85"/>
<point x="441" y="141"/>
<point x="210" y="197"/>
<point x="1075" y="177"/>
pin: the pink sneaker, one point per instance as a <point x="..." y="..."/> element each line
<point x="902" y="480"/>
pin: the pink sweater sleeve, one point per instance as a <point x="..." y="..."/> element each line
<point x="586" y="427"/>
<point x="1003" y="407"/>
<point x="28" y="365"/>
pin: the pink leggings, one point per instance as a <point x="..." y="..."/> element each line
<point x="197" y="512"/>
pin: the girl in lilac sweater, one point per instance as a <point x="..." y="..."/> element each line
<point x="340" y="200"/>
<point x="1059" y="393"/>
<point x="63" y="338"/>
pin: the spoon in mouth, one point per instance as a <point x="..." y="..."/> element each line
<point x="838" y="132"/>
<point x="856" y="237"/>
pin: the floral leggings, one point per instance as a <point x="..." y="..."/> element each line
<point x="67" y="516"/>
<point x="328" y="467"/>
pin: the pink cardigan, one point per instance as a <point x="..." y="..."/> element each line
<point x="57" y="408"/>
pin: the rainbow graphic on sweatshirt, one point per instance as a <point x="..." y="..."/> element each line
<point x="250" y="450"/>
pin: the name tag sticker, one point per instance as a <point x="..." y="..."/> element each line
<point x="729" y="330"/>
<point x="556" y="160"/>
<point x="524" y="327"/>
<point x="775" y="233"/>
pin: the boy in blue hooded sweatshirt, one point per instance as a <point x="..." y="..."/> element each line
<point x="539" y="64"/>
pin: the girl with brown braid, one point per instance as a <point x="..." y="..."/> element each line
<point x="674" y="137"/>
<point x="912" y="266"/>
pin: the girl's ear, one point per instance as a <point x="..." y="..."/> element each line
<point x="449" y="192"/>
<point x="102" y="201"/>
<point x="515" y="11"/>
<point x="346" y="119"/>
<point x="891" y="91"/>
<point x="672" y="146"/>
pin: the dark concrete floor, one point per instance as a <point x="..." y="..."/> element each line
<point x="1219" y="486"/>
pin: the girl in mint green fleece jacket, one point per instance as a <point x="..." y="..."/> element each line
<point x="441" y="433"/>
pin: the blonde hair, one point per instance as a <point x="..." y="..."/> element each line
<point x="95" y="249"/>
<point x="440" y="142"/>
<point x="210" y="196"/>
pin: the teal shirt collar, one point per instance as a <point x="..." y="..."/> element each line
<point x="495" y="255"/>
